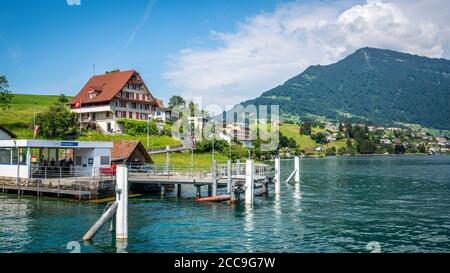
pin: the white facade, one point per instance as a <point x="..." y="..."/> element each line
<point x="88" y="156"/>
<point x="133" y="101"/>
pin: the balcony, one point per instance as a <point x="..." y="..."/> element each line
<point x="93" y="109"/>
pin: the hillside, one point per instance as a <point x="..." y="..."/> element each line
<point x="380" y="86"/>
<point x="19" y="118"/>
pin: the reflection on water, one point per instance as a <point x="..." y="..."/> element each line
<point x="340" y="205"/>
<point x="249" y="226"/>
<point x="121" y="246"/>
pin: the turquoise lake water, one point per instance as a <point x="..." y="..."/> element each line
<point x="342" y="204"/>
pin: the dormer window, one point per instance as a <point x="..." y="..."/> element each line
<point x="91" y="94"/>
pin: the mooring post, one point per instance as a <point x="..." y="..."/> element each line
<point x="297" y="169"/>
<point x="214" y="177"/>
<point x="249" y="182"/>
<point x="163" y="191"/>
<point x="229" y="176"/>
<point x="122" y="199"/>
<point x="277" y="176"/>
<point x="234" y="196"/>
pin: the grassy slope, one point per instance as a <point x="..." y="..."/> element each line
<point x="291" y="130"/>
<point x="154" y="141"/>
<point x="185" y="158"/>
<point x="19" y="117"/>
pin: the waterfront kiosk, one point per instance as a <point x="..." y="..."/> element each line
<point x="23" y="158"/>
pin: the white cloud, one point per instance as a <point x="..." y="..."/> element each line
<point x="73" y="2"/>
<point x="269" y="48"/>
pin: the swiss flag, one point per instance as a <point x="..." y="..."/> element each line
<point x="77" y="105"/>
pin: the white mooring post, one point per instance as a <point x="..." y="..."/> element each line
<point x="277" y="176"/>
<point x="228" y="176"/>
<point x="122" y="199"/>
<point x="249" y="182"/>
<point x="297" y="169"/>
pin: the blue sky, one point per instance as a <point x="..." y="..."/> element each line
<point x="223" y="50"/>
<point x="48" y="47"/>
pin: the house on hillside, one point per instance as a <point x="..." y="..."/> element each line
<point x="6" y="134"/>
<point x="111" y="96"/>
<point x="129" y="152"/>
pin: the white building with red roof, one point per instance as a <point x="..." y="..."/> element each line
<point x="116" y="95"/>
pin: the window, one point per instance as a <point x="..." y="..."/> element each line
<point x="5" y="156"/>
<point x="107" y="114"/>
<point x="78" y="161"/>
<point x="130" y="114"/>
<point x="104" y="160"/>
<point x="137" y="115"/>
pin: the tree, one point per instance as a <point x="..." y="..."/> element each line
<point x="112" y="71"/>
<point x="63" y="99"/>
<point x="365" y="146"/>
<point x="305" y="129"/>
<point x="176" y="100"/>
<point x="320" y="138"/>
<point x="331" y="151"/>
<point x="5" y="94"/>
<point x="57" y="122"/>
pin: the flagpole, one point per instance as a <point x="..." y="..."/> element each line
<point x="79" y="109"/>
<point x="34" y="120"/>
<point x="148" y="128"/>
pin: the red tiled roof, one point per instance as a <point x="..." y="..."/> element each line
<point x="123" y="149"/>
<point x="107" y="86"/>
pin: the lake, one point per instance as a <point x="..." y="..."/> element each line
<point x="343" y="204"/>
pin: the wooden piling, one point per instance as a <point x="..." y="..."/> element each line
<point x="199" y="192"/>
<point x="209" y="190"/>
<point x="178" y="191"/>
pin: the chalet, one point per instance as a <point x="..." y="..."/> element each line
<point x="6" y="134"/>
<point x="129" y="152"/>
<point x="111" y="96"/>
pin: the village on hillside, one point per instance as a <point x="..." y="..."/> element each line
<point x="118" y="106"/>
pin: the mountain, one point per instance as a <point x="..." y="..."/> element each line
<point x="376" y="85"/>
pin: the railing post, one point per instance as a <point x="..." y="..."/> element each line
<point x="122" y="199"/>
<point x="277" y="176"/>
<point x="45" y="172"/>
<point x="238" y="167"/>
<point x="60" y="173"/>
<point x="297" y="169"/>
<point x="249" y="182"/>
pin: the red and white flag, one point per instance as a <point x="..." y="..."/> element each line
<point x="77" y="105"/>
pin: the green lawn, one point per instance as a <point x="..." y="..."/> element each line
<point x="291" y="130"/>
<point x="19" y="118"/>
<point x="178" y="158"/>
<point x="154" y="141"/>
